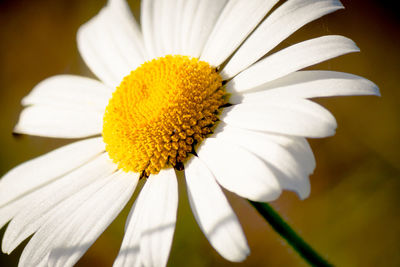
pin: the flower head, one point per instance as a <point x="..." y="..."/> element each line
<point x="193" y="91"/>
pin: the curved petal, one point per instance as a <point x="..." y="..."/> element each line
<point x="291" y="59"/>
<point x="40" y="171"/>
<point x="147" y="24"/>
<point x="188" y="13"/>
<point x="298" y="147"/>
<point x="238" y="170"/>
<point x="91" y="220"/>
<point x="129" y="253"/>
<point x="111" y="43"/>
<point x="51" y="121"/>
<point x="235" y="23"/>
<point x="123" y="19"/>
<point x="36" y="252"/>
<point x="287" y="165"/>
<point x="37" y="211"/>
<point x="8" y="211"/>
<point x="213" y="213"/>
<point x="198" y="21"/>
<point x="310" y="84"/>
<point x="291" y="116"/>
<point x="70" y="92"/>
<point x="164" y="26"/>
<point x="159" y="221"/>
<point x="284" y="21"/>
<point x="178" y="17"/>
<point x="161" y="22"/>
<point x="77" y="222"/>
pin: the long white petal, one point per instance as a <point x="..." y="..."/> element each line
<point x="235" y="23"/>
<point x="77" y="222"/>
<point x="288" y="167"/>
<point x="146" y="22"/>
<point x="189" y="12"/>
<point x="8" y="211"/>
<point x="238" y="170"/>
<point x="292" y="116"/>
<point x="126" y="32"/>
<point x="111" y="44"/>
<point x="177" y="32"/>
<point x="92" y="219"/>
<point x="37" y="250"/>
<point x="37" y="211"/>
<point x="200" y="19"/>
<point x="37" y="172"/>
<point x="310" y="84"/>
<point x="129" y="253"/>
<point x="285" y="20"/>
<point x="298" y="147"/>
<point x="171" y="27"/>
<point x="70" y="92"/>
<point x="123" y="18"/>
<point x="213" y="213"/>
<point x="51" y="121"/>
<point x="159" y="221"/>
<point x="291" y="59"/>
<point x="160" y="16"/>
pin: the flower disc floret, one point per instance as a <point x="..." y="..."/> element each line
<point x="160" y="112"/>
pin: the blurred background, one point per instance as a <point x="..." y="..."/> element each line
<point x="352" y="216"/>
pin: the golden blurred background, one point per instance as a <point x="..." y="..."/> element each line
<point x="352" y="216"/>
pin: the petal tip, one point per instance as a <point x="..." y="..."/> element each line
<point x="376" y="91"/>
<point x="304" y="193"/>
<point x="240" y="257"/>
<point x="17" y="129"/>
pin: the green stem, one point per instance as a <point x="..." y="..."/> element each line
<point x="285" y="231"/>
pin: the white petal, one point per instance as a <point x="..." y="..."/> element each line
<point x="291" y="59"/>
<point x="309" y="84"/>
<point x="285" y="20"/>
<point x="92" y="219"/>
<point x="77" y="222"/>
<point x="287" y="165"/>
<point x="292" y="116"/>
<point x="159" y="219"/>
<point x="37" y="211"/>
<point x="37" y="172"/>
<point x="129" y="253"/>
<point x="8" y="211"/>
<point x="190" y="9"/>
<point x="125" y="32"/>
<point x="123" y="19"/>
<point x="177" y="32"/>
<point x="147" y="24"/>
<point x="235" y="23"/>
<point x="298" y="147"/>
<point x="51" y="121"/>
<point x="199" y="20"/>
<point x="160" y="16"/>
<point x="213" y="212"/>
<point x="167" y="25"/>
<point x="37" y="250"/>
<point x="111" y="44"/>
<point x="70" y="92"/>
<point x="164" y="20"/>
<point x="238" y="170"/>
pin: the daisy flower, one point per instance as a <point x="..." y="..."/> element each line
<point x="194" y="88"/>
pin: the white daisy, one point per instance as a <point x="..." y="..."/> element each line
<point x="191" y="64"/>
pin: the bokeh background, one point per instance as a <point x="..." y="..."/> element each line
<point x="352" y="216"/>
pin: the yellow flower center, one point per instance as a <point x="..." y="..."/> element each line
<point x="160" y="112"/>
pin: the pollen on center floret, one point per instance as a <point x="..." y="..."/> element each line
<point x="160" y="112"/>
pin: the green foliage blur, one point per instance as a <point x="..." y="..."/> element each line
<point x="352" y="216"/>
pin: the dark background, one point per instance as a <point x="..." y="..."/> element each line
<point x="352" y="216"/>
